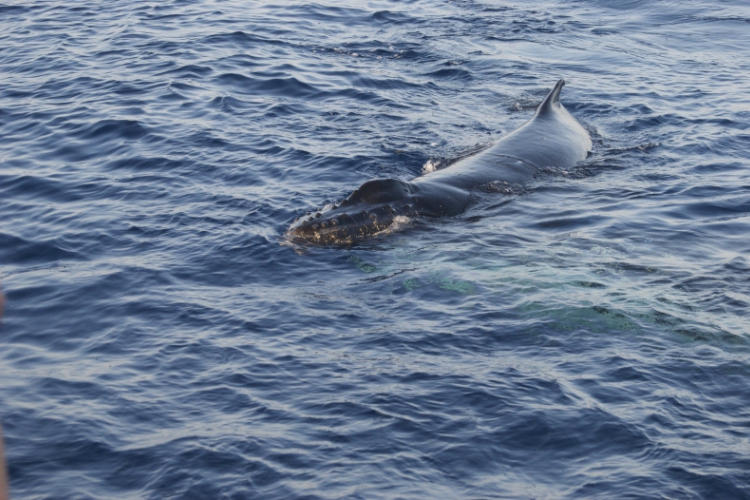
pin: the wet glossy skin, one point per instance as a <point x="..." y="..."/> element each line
<point x="552" y="138"/>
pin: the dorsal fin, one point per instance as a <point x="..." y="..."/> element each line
<point x="552" y="100"/>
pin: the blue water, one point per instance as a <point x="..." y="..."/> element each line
<point x="585" y="336"/>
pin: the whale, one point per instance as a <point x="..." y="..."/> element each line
<point x="551" y="138"/>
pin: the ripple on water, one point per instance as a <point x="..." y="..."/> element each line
<point x="580" y="336"/>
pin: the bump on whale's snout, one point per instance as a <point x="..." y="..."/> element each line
<point x="342" y="225"/>
<point x="370" y="209"/>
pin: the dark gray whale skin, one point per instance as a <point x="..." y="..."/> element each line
<point x="552" y="138"/>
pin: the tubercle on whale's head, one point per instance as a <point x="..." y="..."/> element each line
<point x="346" y="225"/>
<point x="369" y="210"/>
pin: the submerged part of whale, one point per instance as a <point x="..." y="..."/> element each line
<point x="552" y="138"/>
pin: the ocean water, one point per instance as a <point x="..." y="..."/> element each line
<point x="583" y="336"/>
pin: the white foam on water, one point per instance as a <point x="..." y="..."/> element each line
<point x="430" y="166"/>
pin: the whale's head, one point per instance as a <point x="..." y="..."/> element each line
<point x="342" y="227"/>
<point x="373" y="208"/>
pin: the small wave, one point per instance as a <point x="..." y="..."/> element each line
<point x="21" y="251"/>
<point x="110" y="129"/>
<point x="389" y="17"/>
<point x="189" y="71"/>
<point x="240" y="38"/>
<point x="283" y="87"/>
<point x="9" y="10"/>
<point x="638" y="147"/>
<point x="450" y="74"/>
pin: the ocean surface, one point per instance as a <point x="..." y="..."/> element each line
<point x="586" y="335"/>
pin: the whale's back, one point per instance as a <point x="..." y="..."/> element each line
<point x="552" y="138"/>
